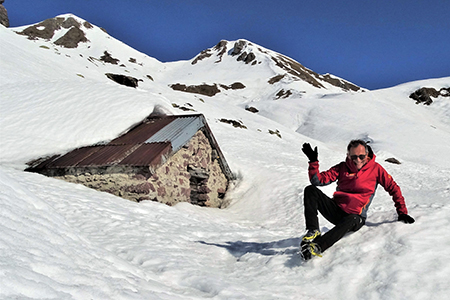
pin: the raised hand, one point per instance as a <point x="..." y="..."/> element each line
<point x="309" y="152"/>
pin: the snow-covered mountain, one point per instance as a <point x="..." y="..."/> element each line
<point x="64" y="241"/>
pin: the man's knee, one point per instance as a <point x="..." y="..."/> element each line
<point x="310" y="189"/>
<point x="357" y="222"/>
<point x="309" y="193"/>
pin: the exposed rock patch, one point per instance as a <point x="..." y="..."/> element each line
<point x="237" y="86"/>
<point x="424" y="95"/>
<point x="221" y="47"/>
<point x="4" y="20"/>
<point x="252" y="109"/>
<point x="296" y="69"/>
<point x="276" y="79"/>
<point x="238" y="47"/>
<point x="247" y="57"/>
<point x="71" y="39"/>
<point x="283" y="94"/>
<point x="244" y="56"/>
<point x="237" y="124"/>
<point x="183" y="108"/>
<point x="204" y="54"/>
<point x="43" y="30"/>
<point x="275" y="132"/>
<point x="234" y="86"/>
<point x="345" y="85"/>
<point x="393" y="160"/>
<point x="123" y="79"/>
<point x="46" y="30"/>
<point x="206" y="89"/>
<point x="88" y="25"/>
<point x="107" y="58"/>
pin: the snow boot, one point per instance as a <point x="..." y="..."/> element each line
<point x="309" y="249"/>
<point x="311" y="235"/>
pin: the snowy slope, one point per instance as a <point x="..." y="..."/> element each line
<point x="64" y="241"/>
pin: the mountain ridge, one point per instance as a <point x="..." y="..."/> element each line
<point x="71" y="32"/>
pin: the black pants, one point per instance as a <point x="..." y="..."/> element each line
<point x="315" y="200"/>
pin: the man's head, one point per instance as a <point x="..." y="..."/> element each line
<point x="357" y="151"/>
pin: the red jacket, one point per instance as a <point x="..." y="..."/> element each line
<point x="355" y="189"/>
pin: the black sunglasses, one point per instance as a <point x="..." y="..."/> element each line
<point x="361" y="157"/>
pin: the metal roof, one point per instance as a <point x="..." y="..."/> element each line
<point x="147" y="155"/>
<point x="106" y="155"/>
<point x="178" y="132"/>
<point x="142" y="131"/>
<point x="142" y="145"/>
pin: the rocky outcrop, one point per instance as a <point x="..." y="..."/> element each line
<point x="221" y="48"/>
<point x="345" y="85"/>
<point x="107" y="58"/>
<point x="46" y="30"/>
<point x="236" y="124"/>
<point x="246" y="57"/>
<point x="393" y="160"/>
<point x="282" y="94"/>
<point x="123" y="79"/>
<point x="206" y="89"/>
<point x="4" y="20"/>
<point x="71" y="39"/>
<point x="424" y="95"/>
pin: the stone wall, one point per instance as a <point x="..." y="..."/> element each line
<point x="193" y="175"/>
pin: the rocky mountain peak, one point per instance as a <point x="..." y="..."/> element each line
<point x="47" y="29"/>
<point x="251" y="54"/>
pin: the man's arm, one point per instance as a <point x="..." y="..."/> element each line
<point x="394" y="190"/>
<point x="315" y="177"/>
<point x="322" y="178"/>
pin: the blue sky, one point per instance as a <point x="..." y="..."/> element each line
<point x="372" y="43"/>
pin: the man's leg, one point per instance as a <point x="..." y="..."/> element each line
<point x="315" y="200"/>
<point x="348" y="223"/>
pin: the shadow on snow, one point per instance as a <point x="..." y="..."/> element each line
<point x="288" y="247"/>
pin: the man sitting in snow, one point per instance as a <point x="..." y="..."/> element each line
<point x="357" y="179"/>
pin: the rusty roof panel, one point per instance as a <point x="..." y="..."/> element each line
<point x="107" y="155"/>
<point x="147" y="155"/>
<point x="142" y="132"/>
<point x="73" y="157"/>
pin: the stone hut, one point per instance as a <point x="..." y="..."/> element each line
<point x="168" y="159"/>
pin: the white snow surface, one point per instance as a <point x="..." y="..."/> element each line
<point x="65" y="241"/>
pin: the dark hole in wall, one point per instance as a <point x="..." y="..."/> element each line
<point x="199" y="190"/>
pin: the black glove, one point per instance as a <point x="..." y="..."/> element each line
<point x="312" y="154"/>
<point x="406" y="219"/>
